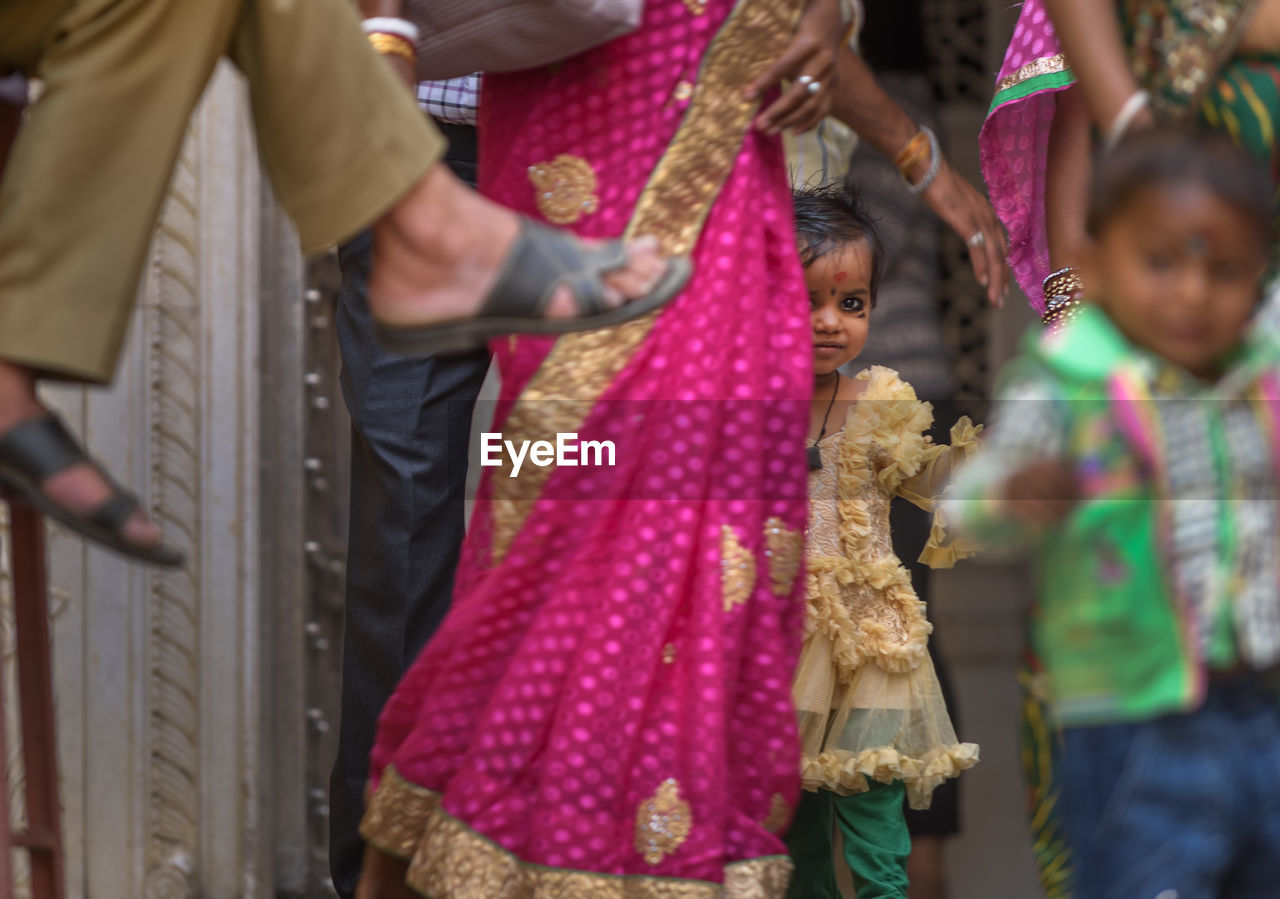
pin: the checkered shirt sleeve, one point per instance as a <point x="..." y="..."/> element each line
<point x="454" y="100"/>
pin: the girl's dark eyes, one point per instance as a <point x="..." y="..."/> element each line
<point x="853" y="304"/>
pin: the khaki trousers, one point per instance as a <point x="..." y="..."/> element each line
<point x="339" y="135"/>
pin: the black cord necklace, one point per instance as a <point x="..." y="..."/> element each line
<point x="815" y="456"/>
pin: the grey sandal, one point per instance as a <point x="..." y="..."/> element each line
<point x="37" y="449"/>
<point x="542" y="260"/>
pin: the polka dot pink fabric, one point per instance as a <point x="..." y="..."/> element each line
<point x="598" y="660"/>
<point x="1014" y="146"/>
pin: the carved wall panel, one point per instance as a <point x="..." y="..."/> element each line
<point x="159" y="674"/>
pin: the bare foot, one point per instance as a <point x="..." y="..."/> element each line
<point x="80" y="489"/>
<point x="438" y="253"/>
<point x="926" y="868"/>
<point x="382" y="877"/>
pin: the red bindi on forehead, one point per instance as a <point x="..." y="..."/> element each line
<point x="840" y="276"/>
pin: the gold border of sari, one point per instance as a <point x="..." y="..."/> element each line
<point x="1045" y="65"/>
<point x="673" y="207"/>
<point x="447" y="858"/>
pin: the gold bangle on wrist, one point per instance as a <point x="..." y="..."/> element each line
<point x="909" y="164"/>
<point x="392" y="45"/>
<point x="916" y="147"/>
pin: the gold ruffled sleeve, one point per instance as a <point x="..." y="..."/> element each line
<point x="890" y="418"/>
<point x="937" y="462"/>
<point x="926" y="487"/>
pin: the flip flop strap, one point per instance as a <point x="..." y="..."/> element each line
<point x="41" y="447"/>
<point x="544" y="259"/>
<point x="113" y="513"/>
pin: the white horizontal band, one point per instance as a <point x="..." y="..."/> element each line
<point x="388" y="25"/>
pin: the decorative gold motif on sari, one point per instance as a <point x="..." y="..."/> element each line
<point x="663" y="822"/>
<point x="737" y="569"/>
<point x="669" y="653"/>
<point x="697" y="7"/>
<point x="779" y="814"/>
<point x="782" y="547"/>
<point x="447" y="858"/>
<point x="1177" y="47"/>
<point x="673" y="207"/>
<point x="566" y="188"/>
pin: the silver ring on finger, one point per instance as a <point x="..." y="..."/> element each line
<point x="806" y="80"/>
<point x="813" y="86"/>
<point x="978" y="239"/>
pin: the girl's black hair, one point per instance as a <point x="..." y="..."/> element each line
<point x="830" y="216"/>
<point x="1167" y="156"/>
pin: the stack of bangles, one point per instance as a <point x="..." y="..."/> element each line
<point x="921" y="147"/>
<point x="393" y="37"/>
<point x="1063" y="294"/>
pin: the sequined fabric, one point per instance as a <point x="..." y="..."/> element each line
<point x="588" y="657"/>
<point x="662" y="822"/>
<point x="1178" y="47"/>
<point x="784" y="549"/>
<point x="737" y="570"/>
<point x="565" y="188"/>
<point x="447" y="858"/>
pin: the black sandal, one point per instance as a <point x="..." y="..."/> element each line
<point x="37" y="449"/>
<point x="542" y="260"/>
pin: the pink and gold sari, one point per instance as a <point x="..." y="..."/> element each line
<point x="606" y="710"/>
<point x="1015" y="142"/>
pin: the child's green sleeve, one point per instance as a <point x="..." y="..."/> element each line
<point x="1028" y="425"/>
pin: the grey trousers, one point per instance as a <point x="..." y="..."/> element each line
<point x="411" y="419"/>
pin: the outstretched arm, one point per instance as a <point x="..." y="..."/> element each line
<point x="1067" y="171"/>
<point x="1019" y="481"/>
<point x="1090" y="36"/>
<point x="862" y="104"/>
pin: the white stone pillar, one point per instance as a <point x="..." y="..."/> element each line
<point x="158" y="674"/>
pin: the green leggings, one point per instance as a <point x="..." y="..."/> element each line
<point x="876" y="843"/>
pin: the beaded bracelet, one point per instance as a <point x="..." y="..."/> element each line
<point x="1063" y="296"/>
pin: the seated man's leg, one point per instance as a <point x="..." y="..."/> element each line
<point x="90" y="169"/>
<point x="80" y="191"/>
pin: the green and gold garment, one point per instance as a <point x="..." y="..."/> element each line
<point x="1184" y="52"/>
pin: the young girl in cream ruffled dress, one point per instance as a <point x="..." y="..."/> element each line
<point x="872" y="719"/>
